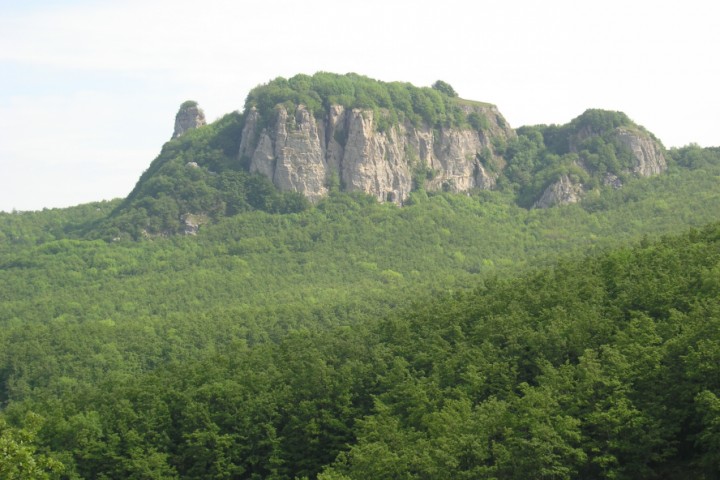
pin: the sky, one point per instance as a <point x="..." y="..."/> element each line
<point x="89" y="89"/>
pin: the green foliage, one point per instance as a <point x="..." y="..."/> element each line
<point x="445" y="88"/>
<point x="188" y="104"/>
<point x="477" y="121"/>
<point x="29" y="228"/>
<point x="360" y="340"/>
<point x="529" y="375"/>
<point x="19" y="456"/>
<point x="600" y="121"/>
<point x="695" y="157"/>
<point x="392" y="102"/>
<point x="197" y="174"/>
<point x="541" y="154"/>
<point x="573" y="372"/>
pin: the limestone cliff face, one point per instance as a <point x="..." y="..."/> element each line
<point x="301" y="153"/>
<point x="189" y="117"/>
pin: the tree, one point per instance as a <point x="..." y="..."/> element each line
<point x="445" y="88"/>
<point x="19" y="458"/>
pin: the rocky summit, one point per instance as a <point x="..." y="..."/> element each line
<point x="400" y="138"/>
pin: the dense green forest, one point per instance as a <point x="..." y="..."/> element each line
<point x="271" y="343"/>
<point x="602" y="367"/>
<point x="458" y="336"/>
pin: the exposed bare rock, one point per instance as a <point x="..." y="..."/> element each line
<point x="301" y="153"/>
<point x="649" y="159"/>
<point x="562" y="192"/>
<point x="610" y="180"/>
<point x="192" y="222"/>
<point x="375" y="162"/>
<point x="189" y="117"/>
<point x="647" y="153"/>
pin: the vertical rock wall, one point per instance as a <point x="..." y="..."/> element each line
<point x="301" y="153"/>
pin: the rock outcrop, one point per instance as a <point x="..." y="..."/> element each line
<point x="647" y="152"/>
<point x="562" y="192"/>
<point x="646" y="156"/>
<point x="189" y="117"/>
<point x="301" y="153"/>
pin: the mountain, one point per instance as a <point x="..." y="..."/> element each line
<point x="389" y="150"/>
<point x="301" y="138"/>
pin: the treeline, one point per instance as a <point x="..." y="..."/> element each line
<point x="393" y="102"/>
<point x="606" y="367"/>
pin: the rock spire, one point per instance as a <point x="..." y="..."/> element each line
<point x="189" y="117"/>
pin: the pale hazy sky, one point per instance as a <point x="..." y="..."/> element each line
<point x="89" y="88"/>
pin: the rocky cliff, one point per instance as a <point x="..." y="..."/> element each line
<point x="561" y="192"/>
<point x="646" y="152"/>
<point x="302" y="153"/>
<point x="189" y="117"/>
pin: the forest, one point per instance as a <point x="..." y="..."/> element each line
<point x="458" y="336"/>
<point x="604" y="366"/>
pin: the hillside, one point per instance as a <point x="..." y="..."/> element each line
<point x="560" y="323"/>
<point x="605" y="367"/>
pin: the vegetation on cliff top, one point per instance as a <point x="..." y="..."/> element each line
<point x="392" y="102"/>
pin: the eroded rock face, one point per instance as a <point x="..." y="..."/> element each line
<point x="562" y="192"/>
<point x="301" y="153"/>
<point x="374" y="162"/>
<point x="647" y="153"/>
<point x="649" y="159"/>
<point x="190" y="116"/>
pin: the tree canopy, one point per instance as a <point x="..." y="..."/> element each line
<point x="392" y="101"/>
